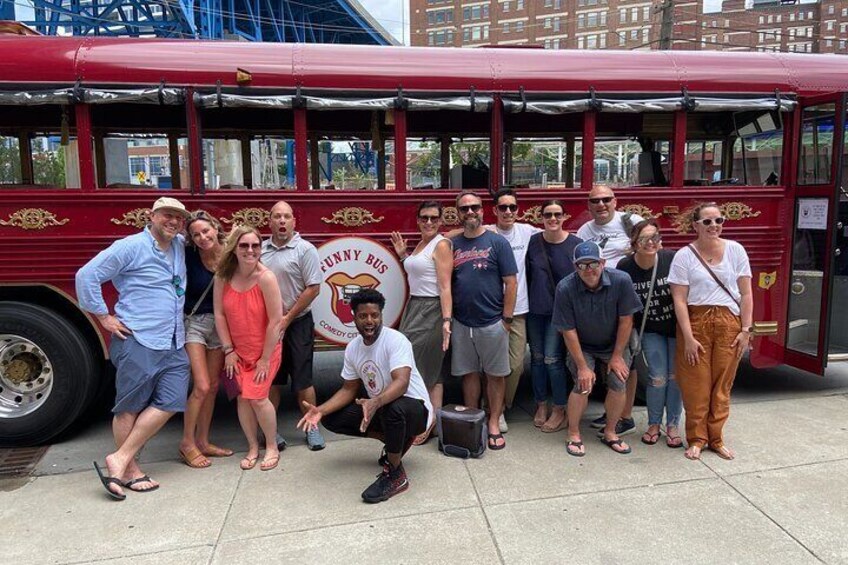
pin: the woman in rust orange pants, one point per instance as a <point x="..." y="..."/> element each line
<point x="711" y="285"/>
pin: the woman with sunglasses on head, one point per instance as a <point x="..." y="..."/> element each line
<point x="202" y="344"/>
<point x="548" y="260"/>
<point x="711" y="285"/>
<point x="427" y="317"/>
<point x="248" y="310"/>
<point x="650" y="262"/>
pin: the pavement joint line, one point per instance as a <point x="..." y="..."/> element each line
<point x="350" y="523"/>
<point x="140" y="554"/>
<point x="601" y="491"/>
<point x="217" y="543"/>
<point x="482" y="508"/>
<point x="795" y="466"/>
<point x="766" y="515"/>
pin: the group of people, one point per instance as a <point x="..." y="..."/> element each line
<point x="605" y="302"/>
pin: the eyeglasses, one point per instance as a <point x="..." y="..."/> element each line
<point x="508" y="207"/>
<point x="249" y="245"/>
<point x="469" y="208"/>
<point x="655" y="239"/>
<point x="604" y="199"/>
<point x="586" y="266"/>
<point x="709" y="221"/>
<point x="177" y="282"/>
<point x="549" y="215"/>
<point x="429" y="219"/>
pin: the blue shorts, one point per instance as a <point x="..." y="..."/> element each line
<point x="148" y="377"/>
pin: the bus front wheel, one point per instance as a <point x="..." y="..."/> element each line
<point x="48" y="374"/>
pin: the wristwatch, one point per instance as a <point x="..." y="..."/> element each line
<point x="748" y="329"/>
<point x="507" y="320"/>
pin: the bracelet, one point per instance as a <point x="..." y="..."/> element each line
<point x="228" y="349"/>
<point x="447" y="319"/>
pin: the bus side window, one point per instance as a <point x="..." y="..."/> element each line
<point x="141" y="161"/>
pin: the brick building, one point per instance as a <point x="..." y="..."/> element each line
<point x="770" y="25"/>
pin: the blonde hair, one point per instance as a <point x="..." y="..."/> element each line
<point x="202" y="215"/>
<point x="229" y="262"/>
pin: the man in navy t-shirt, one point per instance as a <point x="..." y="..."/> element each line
<point x="484" y="289"/>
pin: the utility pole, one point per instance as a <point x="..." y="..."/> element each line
<point x="667" y="9"/>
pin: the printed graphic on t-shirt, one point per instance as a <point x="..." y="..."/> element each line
<point x="662" y="305"/>
<point x="480" y="257"/>
<point x="371" y="376"/>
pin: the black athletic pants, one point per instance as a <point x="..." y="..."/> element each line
<point x="398" y="421"/>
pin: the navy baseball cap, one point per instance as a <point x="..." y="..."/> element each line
<point x="588" y="250"/>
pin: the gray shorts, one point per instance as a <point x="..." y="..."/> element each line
<point x="200" y="328"/>
<point x="613" y="383"/>
<point x="476" y="349"/>
<point x="148" y="377"/>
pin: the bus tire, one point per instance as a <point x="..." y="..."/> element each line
<point x="48" y="374"/>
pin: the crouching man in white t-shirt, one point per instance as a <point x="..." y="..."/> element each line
<point x="397" y="408"/>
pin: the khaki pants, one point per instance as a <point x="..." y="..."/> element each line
<point x="706" y="386"/>
<point x="517" y="350"/>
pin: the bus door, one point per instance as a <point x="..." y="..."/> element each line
<point x="817" y="329"/>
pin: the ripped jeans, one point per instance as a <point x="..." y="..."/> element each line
<point x="662" y="391"/>
<point x="547" y="360"/>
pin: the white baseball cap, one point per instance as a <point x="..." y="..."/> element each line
<point x="169" y="203"/>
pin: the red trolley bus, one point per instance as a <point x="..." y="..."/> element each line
<point x="93" y="130"/>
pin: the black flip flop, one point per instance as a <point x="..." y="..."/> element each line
<point x="612" y="442"/>
<point x="106" y="481"/>
<point x="575" y="444"/>
<point x="494" y="446"/>
<point x="144" y="479"/>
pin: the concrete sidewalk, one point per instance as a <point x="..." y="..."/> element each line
<point x="783" y="500"/>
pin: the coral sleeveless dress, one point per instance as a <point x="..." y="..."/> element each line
<point x="247" y="320"/>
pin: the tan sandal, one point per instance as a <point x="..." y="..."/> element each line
<point x="213" y="450"/>
<point x="248" y="463"/>
<point x="194" y="458"/>
<point x="270" y="463"/>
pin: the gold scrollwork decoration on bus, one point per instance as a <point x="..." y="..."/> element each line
<point x="731" y="210"/>
<point x="533" y="215"/>
<point x="253" y="217"/>
<point x="640" y="210"/>
<point x="352" y="217"/>
<point x="137" y="218"/>
<point x="33" y="219"/>
<point x="450" y="216"/>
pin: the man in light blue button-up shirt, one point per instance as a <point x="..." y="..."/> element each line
<point x="148" y="271"/>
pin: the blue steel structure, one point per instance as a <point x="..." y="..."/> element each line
<point x="300" y="21"/>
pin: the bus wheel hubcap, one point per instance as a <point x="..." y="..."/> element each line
<point x="26" y="376"/>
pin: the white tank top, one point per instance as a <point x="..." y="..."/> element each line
<point x="421" y="270"/>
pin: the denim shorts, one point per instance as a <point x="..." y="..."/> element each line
<point x="476" y="349"/>
<point x="148" y="377"/>
<point x="200" y="328"/>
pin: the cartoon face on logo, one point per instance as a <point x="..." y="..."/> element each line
<point x="348" y="265"/>
<point x="371" y="376"/>
<point x="342" y="288"/>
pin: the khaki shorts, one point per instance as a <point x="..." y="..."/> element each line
<point x="200" y="328"/>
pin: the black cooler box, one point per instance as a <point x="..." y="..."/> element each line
<point x="462" y="431"/>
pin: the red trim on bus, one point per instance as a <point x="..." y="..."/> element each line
<point x="84" y="149"/>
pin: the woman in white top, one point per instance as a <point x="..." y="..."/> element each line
<point x="426" y="319"/>
<point x="711" y="285"/>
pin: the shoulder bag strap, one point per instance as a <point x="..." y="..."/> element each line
<point x="547" y="260"/>
<point x="715" y="278"/>
<point x="202" y="296"/>
<point x="648" y="301"/>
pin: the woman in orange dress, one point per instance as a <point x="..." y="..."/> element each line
<point x="248" y="310"/>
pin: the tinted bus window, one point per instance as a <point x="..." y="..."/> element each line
<point x="814" y="159"/>
<point x="142" y="161"/>
<point x="10" y="160"/>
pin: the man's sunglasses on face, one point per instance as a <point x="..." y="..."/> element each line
<point x="508" y="207"/>
<point x="470" y="208"/>
<point x="592" y="265"/>
<point x="603" y="199"/>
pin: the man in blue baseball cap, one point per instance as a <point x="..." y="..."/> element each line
<point x="593" y="309"/>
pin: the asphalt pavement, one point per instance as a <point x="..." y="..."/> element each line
<point x="783" y="500"/>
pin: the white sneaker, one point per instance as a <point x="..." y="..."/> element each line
<point x="502" y="424"/>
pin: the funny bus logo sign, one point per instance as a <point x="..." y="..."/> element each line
<point x="348" y="265"/>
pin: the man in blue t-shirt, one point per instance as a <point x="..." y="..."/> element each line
<point x="484" y="288"/>
<point x="593" y="309"/>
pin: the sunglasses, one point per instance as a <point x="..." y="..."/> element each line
<point x="470" y="208"/>
<point x="709" y="221"/>
<point x="249" y="245"/>
<point x="655" y="239"/>
<point x="588" y="266"/>
<point x="429" y="219"/>
<point x="177" y="282"/>
<point x="604" y="200"/>
<point x="549" y="215"/>
<point x="508" y="207"/>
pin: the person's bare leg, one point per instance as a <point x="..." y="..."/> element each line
<point x="214" y="362"/>
<point x="632" y="383"/>
<point x="471" y="389"/>
<point x="495" y="390"/>
<point x="121" y="463"/>
<point x="614" y="405"/>
<point x="307" y="394"/>
<point x="266" y="416"/>
<point x="275" y="394"/>
<point x="196" y="400"/>
<point x="576" y="406"/>
<point x="248" y="422"/>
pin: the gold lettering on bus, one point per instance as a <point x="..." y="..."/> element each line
<point x="33" y="219"/>
<point x="352" y="217"/>
<point x="137" y="218"/>
<point x="253" y="217"/>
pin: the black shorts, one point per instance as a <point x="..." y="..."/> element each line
<point x="298" y="347"/>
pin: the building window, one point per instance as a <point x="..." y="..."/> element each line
<point x="506" y="27"/>
<point x="622" y="39"/>
<point x="830" y="25"/>
<point x="592" y="20"/>
<point x="476" y="33"/>
<point x="466" y="34"/>
<point x="842" y="44"/>
<point x="645" y="32"/>
<point x="547" y="23"/>
<point x="603" y="41"/>
<point x="779" y="18"/>
<point x="430" y="39"/>
<point x="646" y="13"/>
<point x="506" y="6"/>
<point x="581" y="42"/>
<point x="519" y="27"/>
<point x="800" y="16"/>
<point x="603" y="19"/>
<point x="547" y="44"/>
<point x="581" y="21"/>
<point x="549" y="3"/>
<point x="557" y="4"/>
<point x="634" y="34"/>
<point x="809" y="15"/>
<point x="830" y="10"/>
<point x="519" y="5"/>
<point x="843" y="28"/>
<point x="591" y="42"/>
<point x="556" y="43"/>
<point x="557" y="24"/>
<point x="762" y="19"/>
<point x="791" y="17"/>
<point x="845" y="12"/>
<point x="828" y="42"/>
<point x="622" y="16"/>
<point x="634" y="15"/>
